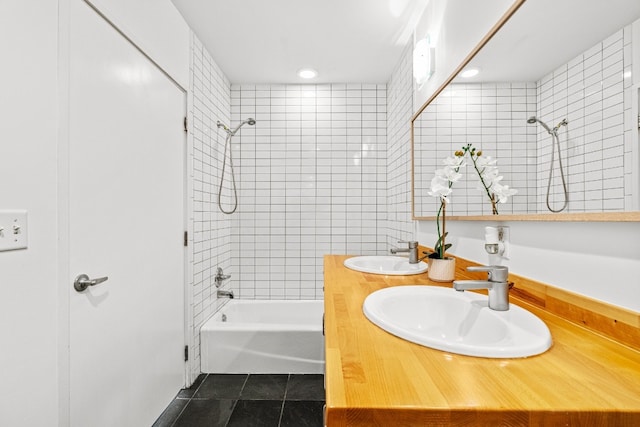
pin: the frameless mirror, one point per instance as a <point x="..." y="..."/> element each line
<point x="554" y="103"/>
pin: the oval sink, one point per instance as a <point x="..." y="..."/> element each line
<point x="388" y="265"/>
<point x="457" y="322"/>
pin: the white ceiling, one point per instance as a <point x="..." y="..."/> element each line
<point x="260" y="41"/>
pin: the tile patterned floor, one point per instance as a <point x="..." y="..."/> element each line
<point x="243" y="400"/>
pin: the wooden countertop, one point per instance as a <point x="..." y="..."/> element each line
<point x="376" y="379"/>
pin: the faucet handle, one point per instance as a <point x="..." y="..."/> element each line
<point x="497" y="273"/>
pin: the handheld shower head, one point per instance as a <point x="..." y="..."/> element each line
<point x="533" y="119"/>
<point x="250" y="121"/>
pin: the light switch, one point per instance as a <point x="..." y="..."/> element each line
<point x="13" y="230"/>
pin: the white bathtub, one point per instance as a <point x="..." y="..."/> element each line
<point x="264" y="337"/>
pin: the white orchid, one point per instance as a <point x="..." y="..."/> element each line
<point x="441" y="188"/>
<point x="449" y="173"/>
<point x="455" y="162"/>
<point x="489" y="177"/>
<point x="502" y="192"/>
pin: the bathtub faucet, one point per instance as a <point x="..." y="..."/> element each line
<point x="220" y="277"/>
<point x="224" y="294"/>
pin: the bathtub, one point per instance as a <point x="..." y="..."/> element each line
<point x="264" y="337"/>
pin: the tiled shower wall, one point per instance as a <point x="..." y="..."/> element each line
<point x="209" y="230"/>
<point x="492" y="117"/>
<point x="592" y="91"/>
<point x="311" y="178"/>
<point x="400" y="226"/>
<point x="589" y="91"/>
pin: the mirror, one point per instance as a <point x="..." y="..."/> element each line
<point x="551" y="61"/>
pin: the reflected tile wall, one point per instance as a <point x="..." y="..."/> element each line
<point x="311" y="178"/>
<point x="492" y="117"/>
<point x="589" y="91"/>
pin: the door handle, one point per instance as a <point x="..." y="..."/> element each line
<point x="82" y="282"/>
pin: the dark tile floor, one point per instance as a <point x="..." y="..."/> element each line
<point x="243" y="400"/>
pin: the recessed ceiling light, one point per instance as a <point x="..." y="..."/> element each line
<point x="307" y="73"/>
<point x="469" y="72"/>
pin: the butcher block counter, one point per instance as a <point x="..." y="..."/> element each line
<point x="376" y="379"/>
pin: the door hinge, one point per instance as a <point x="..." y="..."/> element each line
<point x="186" y="238"/>
<point x="186" y="353"/>
<point x="184" y="124"/>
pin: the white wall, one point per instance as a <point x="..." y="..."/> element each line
<point x="157" y="28"/>
<point x="28" y="290"/>
<point x="598" y="259"/>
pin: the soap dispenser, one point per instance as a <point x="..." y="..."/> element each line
<point x="496" y="241"/>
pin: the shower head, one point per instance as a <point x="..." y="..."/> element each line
<point x="533" y="119"/>
<point x="250" y="121"/>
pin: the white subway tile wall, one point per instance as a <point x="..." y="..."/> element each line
<point x="400" y="226"/>
<point x="592" y="91"/>
<point x="492" y="117"/>
<point x="589" y="91"/>
<point x="311" y="178"/>
<point x="630" y="126"/>
<point x="209" y="243"/>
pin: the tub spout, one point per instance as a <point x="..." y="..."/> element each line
<point x="224" y="294"/>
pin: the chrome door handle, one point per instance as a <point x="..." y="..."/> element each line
<point x="82" y="282"/>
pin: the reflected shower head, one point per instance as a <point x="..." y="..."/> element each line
<point x="531" y="120"/>
<point x="250" y="121"/>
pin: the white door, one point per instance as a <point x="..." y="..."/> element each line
<point x="126" y="219"/>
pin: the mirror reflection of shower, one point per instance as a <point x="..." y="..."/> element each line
<point x="227" y="144"/>
<point x="555" y="144"/>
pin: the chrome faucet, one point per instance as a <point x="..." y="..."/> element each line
<point x="496" y="283"/>
<point x="220" y="277"/>
<point x="412" y="250"/>
<point x="224" y="294"/>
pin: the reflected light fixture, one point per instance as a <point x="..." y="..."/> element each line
<point x="307" y="73"/>
<point x="423" y="61"/>
<point x="469" y="72"/>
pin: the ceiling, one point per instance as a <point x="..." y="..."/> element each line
<point x="346" y="41"/>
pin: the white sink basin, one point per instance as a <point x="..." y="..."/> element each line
<point x="457" y="322"/>
<point x="388" y="265"/>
